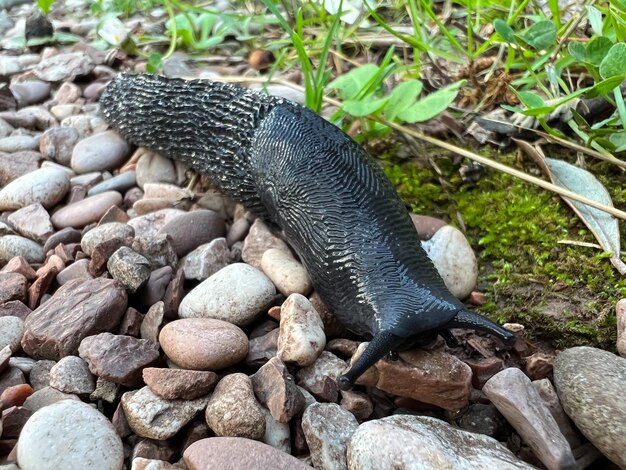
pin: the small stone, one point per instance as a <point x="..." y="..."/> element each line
<point x="66" y="236"/>
<point x="68" y="93"/>
<point x="406" y="442"/>
<point x="13" y="286"/>
<point x="590" y="383"/>
<point x="301" y="339"/>
<point x="259" y="240"/>
<point x="105" y="390"/>
<point x="238" y="231"/>
<point x="102" y="253"/>
<point x="77" y="270"/>
<point x="18" y="143"/>
<point x="275" y="388"/>
<point x="154" y="290"/>
<point x="119" y="183"/>
<point x="46" y="186"/>
<point x="45" y="397"/>
<point x="86" y="211"/>
<point x="357" y="403"/>
<point x="539" y="365"/>
<point x="192" y="229"/>
<point x="152" y="322"/>
<point x="87" y="437"/>
<point x="105" y="232"/>
<point x="320" y="378"/>
<point x="33" y="222"/>
<point x="483" y="369"/>
<point x="483" y="419"/>
<point x="12" y="246"/>
<point x="11" y="332"/>
<point x="71" y="375"/>
<point x="203" y="343"/>
<point x="234" y="453"/>
<point x="454" y="259"/>
<point x="206" y="260"/>
<point x="130" y="268"/>
<point x="620" y="313"/>
<point x="155" y="418"/>
<point x="173" y="295"/>
<point x="286" y="273"/>
<point x="100" y="152"/>
<point x="15" y="395"/>
<point x="20" y="265"/>
<point x="548" y="394"/>
<point x="40" y="374"/>
<point x="262" y="348"/>
<point x="13" y="420"/>
<point x="9" y="378"/>
<point x="140" y="463"/>
<point x="30" y="91"/>
<point x="154" y="168"/>
<point x="66" y="66"/>
<point x="237" y="293"/>
<point x="14" y="308"/>
<point x="58" y="143"/>
<point x="173" y="384"/>
<point x="114" y="214"/>
<point x="148" y="225"/>
<point x="16" y="165"/>
<point x="233" y="410"/>
<point x="118" y="358"/>
<point x="328" y="428"/>
<point x="158" y="250"/>
<point x="514" y="396"/>
<point x="131" y="323"/>
<point x="277" y="434"/>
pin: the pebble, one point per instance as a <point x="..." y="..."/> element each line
<point x="15" y="165"/>
<point x="454" y="259"/>
<point x="237" y="294"/>
<point x="15" y="395"/>
<point x="203" y="343"/>
<point x="155" y="418"/>
<point x="155" y="288"/>
<point x="357" y="403"/>
<point x="483" y="419"/>
<point x="262" y="348"/>
<point x="233" y="410"/>
<point x="66" y="236"/>
<point x="11" y="65"/>
<point x="77" y="270"/>
<point x="68" y="93"/>
<point x="434" y="377"/>
<point x="175" y="384"/>
<point x="78" y="309"/>
<point x="152" y="321"/>
<point x="236" y="453"/>
<point x="130" y="268"/>
<point x="418" y="442"/>
<point x="320" y="378"/>
<point x="287" y="274"/>
<point x="119" y="183"/>
<point x="620" y="313"/>
<point x="206" y="260"/>
<point x="9" y="378"/>
<point x="40" y="374"/>
<point x="301" y="336"/>
<point x="118" y="358"/>
<point x="276" y="389"/>
<point x="46" y="186"/>
<point x="63" y="111"/>
<point x="14" y="245"/>
<point x="18" y="143"/>
<point x="100" y="152"/>
<point x="66" y="66"/>
<point x="13" y="286"/>
<point x="277" y="434"/>
<point x="58" y="143"/>
<point x="46" y="396"/>
<point x="192" y="229"/>
<point x="86" y="211"/>
<point x="260" y="239"/>
<point x="513" y="394"/>
<point x="11" y="332"/>
<point x="154" y="168"/>
<point x="32" y="221"/>
<point x="30" y="91"/>
<point x="103" y="233"/>
<point x="548" y="394"/>
<point x="71" y="375"/>
<point x="147" y="226"/>
<point x="87" y="438"/>
<point x="590" y="383"/>
<point x="328" y="428"/>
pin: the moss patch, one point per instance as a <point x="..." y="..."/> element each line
<point x="561" y="293"/>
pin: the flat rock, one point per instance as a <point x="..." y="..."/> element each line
<point x="12" y="246"/>
<point x="173" y="384"/>
<point x="156" y="418"/>
<point x="15" y="165"/>
<point x="100" y="152"/>
<point x="32" y="221"/>
<point x="18" y="143"/>
<point x="434" y="377"/>
<point x="328" y="428"/>
<point x="119" y="183"/>
<point x="514" y="396"/>
<point x="233" y="410"/>
<point x="301" y="337"/>
<point x="45" y="185"/>
<point x="235" y="453"/>
<point x="118" y="358"/>
<point x="203" y="343"/>
<point x="66" y="66"/>
<point x="86" y="211"/>
<point x="192" y="229"/>
<point x="289" y="276"/>
<point x="414" y="442"/>
<point x="78" y="309"/>
<point x="71" y="375"/>
<point x="276" y="389"/>
<point x="590" y="383"/>
<point x="237" y="294"/>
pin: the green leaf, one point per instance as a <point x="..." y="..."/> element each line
<point x="595" y="20"/>
<point x="44" y="5"/>
<point x="619" y="140"/>
<point x="530" y="100"/>
<point x="605" y="86"/>
<point x="155" y="62"/>
<point x="402" y="97"/>
<point x="615" y="61"/>
<point x="504" y="30"/>
<point x="578" y="51"/>
<point x="428" y="107"/>
<point x="541" y="35"/>
<point x="349" y="84"/>
<point x="597" y="49"/>
<point x="365" y="107"/>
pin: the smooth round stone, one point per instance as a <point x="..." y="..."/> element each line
<point x="193" y="229"/>
<point x="86" y="211"/>
<point x="119" y="183"/>
<point x="14" y="245"/>
<point x="235" y="453"/>
<point x="30" y="91"/>
<point x="86" y="437"/>
<point x="289" y="276"/>
<point x="17" y="143"/>
<point x="62" y="111"/>
<point x="237" y="294"/>
<point x="11" y="332"/>
<point x="105" y="232"/>
<point x="203" y="343"/>
<point x="154" y="168"/>
<point x="45" y="185"/>
<point x="100" y="152"/>
<point x="454" y="259"/>
<point x="590" y="383"/>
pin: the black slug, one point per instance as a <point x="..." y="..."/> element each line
<point x="336" y="207"/>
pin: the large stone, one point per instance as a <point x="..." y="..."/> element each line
<point x="100" y="152"/>
<point x="80" y="308"/>
<point x="591" y="383"/>
<point x="14" y="245"/>
<point x="419" y="442"/>
<point x="86" y="211"/>
<point x="65" y="66"/>
<point x="11" y="332"/>
<point x="192" y="229"/>
<point x="46" y="186"/>
<point x="13" y="286"/>
<point x="87" y="438"/>
<point x="301" y="337"/>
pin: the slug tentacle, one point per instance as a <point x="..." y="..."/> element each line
<point x="468" y="319"/>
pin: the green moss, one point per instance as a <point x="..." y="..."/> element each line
<point x="562" y="293"/>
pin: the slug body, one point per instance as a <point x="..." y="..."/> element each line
<point x="336" y="207"/>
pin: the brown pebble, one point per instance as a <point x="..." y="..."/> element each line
<point x="15" y="395"/>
